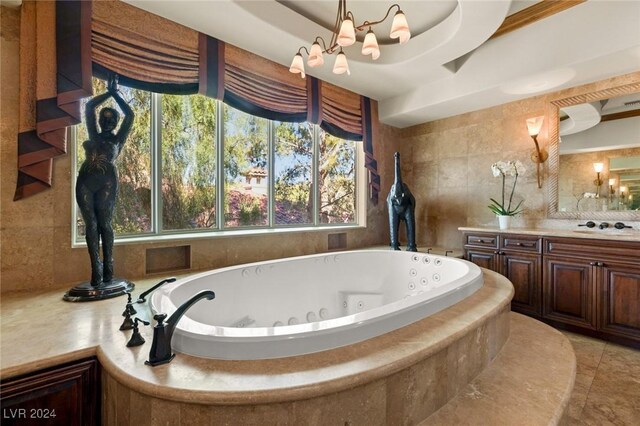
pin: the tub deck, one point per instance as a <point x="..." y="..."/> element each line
<point x="378" y="375"/>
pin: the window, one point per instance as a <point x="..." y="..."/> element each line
<point x="188" y="166"/>
<point x="193" y="164"/>
<point x="132" y="214"/>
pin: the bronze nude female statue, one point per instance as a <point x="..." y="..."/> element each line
<point x="97" y="184"/>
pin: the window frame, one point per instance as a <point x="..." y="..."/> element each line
<point x="157" y="234"/>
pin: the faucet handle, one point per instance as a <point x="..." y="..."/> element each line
<point x="620" y="225"/>
<point x="590" y="224"/>
<point x="160" y="318"/>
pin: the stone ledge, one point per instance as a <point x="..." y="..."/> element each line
<point x="530" y="381"/>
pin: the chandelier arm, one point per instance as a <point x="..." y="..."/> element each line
<point x="303" y="48"/>
<point x="342" y="4"/>
<point x="366" y="24"/>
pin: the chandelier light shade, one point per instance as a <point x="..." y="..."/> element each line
<point x="344" y="34"/>
<point x="315" y="55"/>
<point x="341" y="65"/>
<point x="400" y="28"/>
<point x="297" y="65"/>
<point x="347" y="34"/>
<point x="370" y="45"/>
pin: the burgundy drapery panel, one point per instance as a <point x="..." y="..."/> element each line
<point x="53" y="79"/>
<point x="156" y="54"/>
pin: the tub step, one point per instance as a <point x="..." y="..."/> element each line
<point x="530" y="382"/>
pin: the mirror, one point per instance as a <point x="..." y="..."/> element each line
<point x="594" y="162"/>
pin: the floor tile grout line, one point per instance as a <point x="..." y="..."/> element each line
<point x="593" y="380"/>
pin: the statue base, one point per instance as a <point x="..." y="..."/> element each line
<point x="85" y="292"/>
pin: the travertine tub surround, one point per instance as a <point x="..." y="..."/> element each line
<point x="415" y="369"/>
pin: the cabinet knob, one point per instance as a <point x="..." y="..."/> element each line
<point x="519" y="244"/>
<point x="601" y="264"/>
<point x="593" y="263"/>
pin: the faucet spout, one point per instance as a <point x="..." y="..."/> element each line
<point x="161" y="352"/>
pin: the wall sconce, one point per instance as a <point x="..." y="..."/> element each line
<point x="612" y="189"/>
<point x="538" y="156"/>
<point x="598" y="167"/>
<point x="623" y="195"/>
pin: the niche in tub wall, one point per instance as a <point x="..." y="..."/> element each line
<point x="337" y="241"/>
<point x="167" y="259"/>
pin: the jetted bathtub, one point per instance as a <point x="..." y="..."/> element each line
<point x="313" y="303"/>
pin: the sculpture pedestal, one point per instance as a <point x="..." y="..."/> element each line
<point x="85" y="292"/>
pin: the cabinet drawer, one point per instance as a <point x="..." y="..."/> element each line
<point x="481" y="240"/>
<point x="624" y="251"/>
<point x="521" y="243"/>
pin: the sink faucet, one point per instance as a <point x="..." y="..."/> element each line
<point x="603" y="225"/>
<point x="161" y="352"/>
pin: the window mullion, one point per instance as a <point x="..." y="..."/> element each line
<point x="220" y="164"/>
<point x="315" y="173"/>
<point x="156" y="162"/>
<point x="271" y="202"/>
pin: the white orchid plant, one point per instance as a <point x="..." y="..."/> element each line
<point x="504" y="169"/>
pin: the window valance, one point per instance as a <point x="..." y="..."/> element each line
<point x="152" y="53"/>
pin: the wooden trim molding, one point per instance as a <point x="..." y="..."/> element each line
<point x="620" y="115"/>
<point x="532" y="14"/>
<point x="554" y="157"/>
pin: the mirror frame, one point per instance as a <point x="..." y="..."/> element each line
<point x="554" y="157"/>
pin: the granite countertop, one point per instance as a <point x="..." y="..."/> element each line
<point x="582" y="232"/>
<point x="41" y="330"/>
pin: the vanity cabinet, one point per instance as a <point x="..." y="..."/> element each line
<point x="593" y="284"/>
<point x="62" y="395"/>
<point x="516" y="257"/>
<point x="588" y="285"/>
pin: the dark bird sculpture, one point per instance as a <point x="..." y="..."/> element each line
<point x="402" y="205"/>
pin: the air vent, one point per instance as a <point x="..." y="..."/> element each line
<point x="632" y="103"/>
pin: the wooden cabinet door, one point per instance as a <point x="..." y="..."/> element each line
<point x="524" y="272"/>
<point x="483" y="258"/>
<point x="66" y="395"/>
<point x="619" y="307"/>
<point x="569" y="290"/>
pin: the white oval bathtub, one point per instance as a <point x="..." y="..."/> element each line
<point x="308" y="304"/>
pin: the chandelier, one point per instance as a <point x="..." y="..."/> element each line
<point x="344" y="34"/>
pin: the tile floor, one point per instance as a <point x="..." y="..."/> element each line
<point x="607" y="388"/>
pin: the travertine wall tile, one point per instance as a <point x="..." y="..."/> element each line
<point x="458" y="153"/>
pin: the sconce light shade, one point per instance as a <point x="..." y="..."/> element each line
<point x="598" y="167"/>
<point x="534" y="124"/>
<point x="612" y="182"/>
<point x="315" y="55"/>
<point x="297" y="65"/>
<point x="347" y="34"/>
<point x="623" y="189"/>
<point x="370" y="45"/>
<point x="341" y="66"/>
<point x="400" y="28"/>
